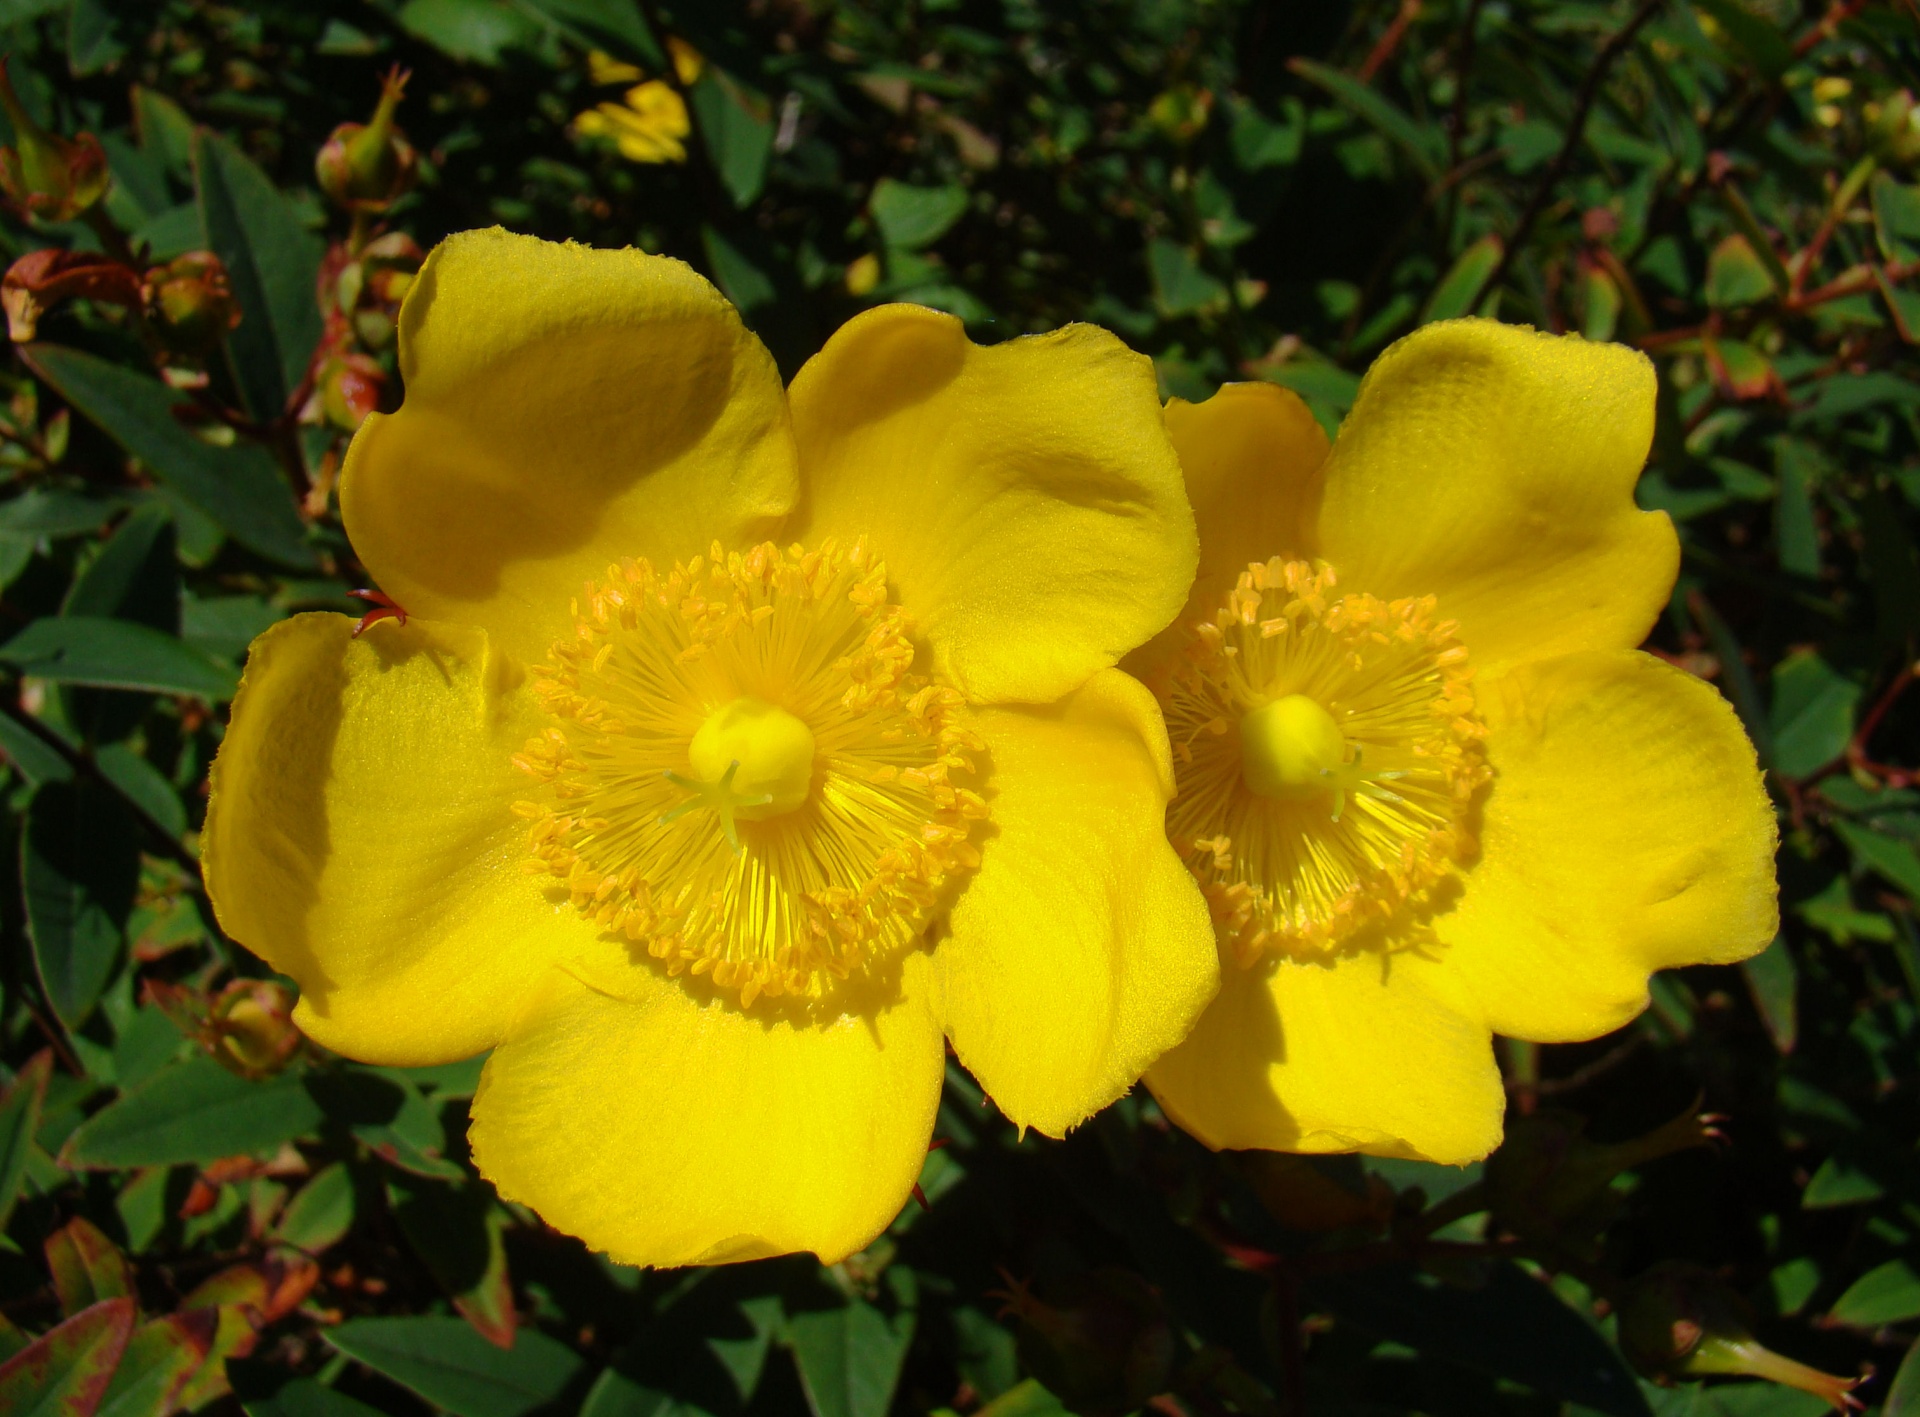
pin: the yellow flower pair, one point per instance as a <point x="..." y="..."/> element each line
<point x="742" y="744"/>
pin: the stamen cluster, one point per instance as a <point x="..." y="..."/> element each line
<point x="785" y="906"/>
<point x="1302" y="878"/>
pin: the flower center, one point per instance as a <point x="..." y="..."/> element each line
<point x="742" y="776"/>
<point x="1327" y="753"/>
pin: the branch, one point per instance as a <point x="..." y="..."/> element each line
<point x="1576" y="131"/>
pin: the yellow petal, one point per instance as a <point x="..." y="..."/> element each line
<point x="1081" y="950"/>
<point x="1024" y="497"/>
<point x="1626" y="831"/>
<point x="564" y="408"/>
<point x="667" y="1128"/>
<point x="1494" y="467"/>
<point x="360" y="835"/>
<point x="1252" y="457"/>
<point x="1368" y="1052"/>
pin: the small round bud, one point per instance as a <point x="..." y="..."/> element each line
<point x="47" y="176"/>
<point x="190" y="302"/>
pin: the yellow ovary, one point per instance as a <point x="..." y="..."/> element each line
<point x="1327" y="752"/>
<point x="742" y="776"/>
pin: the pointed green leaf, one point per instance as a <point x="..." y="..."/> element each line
<point x="1463" y="282"/>
<point x="451" y="1366"/>
<point x="1896" y="217"/>
<point x="272" y="262"/>
<point x="1812" y="715"/>
<point x="1774" y="983"/>
<point x="79" y="868"/>
<point x="1885" y="855"/>
<point x="320" y="1213"/>
<point x="65" y="1372"/>
<point x="1736" y="275"/>
<point x="1903" y="1398"/>
<point x="116" y="654"/>
<point x="910" y="217"/>
<point x="457" y="1230"/>
<point x="239" y="488"/>
<point x="1887" y="1295"/>
<point x="86" y="1266"/>
<point x="849" y="1357"/>
<point x="19" y="1120"/>
<point x="193" y="1111"/>
<point x="1420" y="143"/>
<point x="737" y="131"/>
<point x="162" y="1354"/>
<point x="303" y="1397"/>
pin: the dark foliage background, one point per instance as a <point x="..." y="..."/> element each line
<point x="1243" y="190"/>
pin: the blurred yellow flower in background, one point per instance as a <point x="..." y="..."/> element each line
<point x="649" y="124"/>
<point x="1429" y="785"/>
<point x="740" y="745"/>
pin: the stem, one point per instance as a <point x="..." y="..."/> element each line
<point x="1576" y="131"/>
<point x="1843" y="199"/>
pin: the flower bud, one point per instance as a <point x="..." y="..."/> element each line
<point x="369" y="166"/>
<point x="247" y="1027"/>
<point x="1550" y="1185"/>
<point x="1105" y="1348"/>
<point x="346" y="388"/>
<point x="39" y="280"/>
<point x="1678" y="1321"/>
<point x="1893" y="129"/>
<point x="190" y="302"/>
<point x="48" y="176"/>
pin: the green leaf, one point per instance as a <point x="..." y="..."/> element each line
<point x="162" y="1354"/>
<point x="86" y="1266"/>
<point x="389" y="1116"/>
<point x="272" y="262"/>
<point x="1887" y="1295"/>
<point x="448" y="1364"/>
<point x="1812" y="714"/>
<point x="193" y="1111"/>
<point x="1885" y="855"/>
<point x="1180" y="285"/>
<point x="1795" y="531"/>
<point x="1514" y="1327"/>
<point x="1839" y="1183"/>
<point x="1027" y="1399"/>
<point x="850" y="1356"/>
<point x="737" y="130"/>
<point x="1896" y="217"/>
<point x="617" y="25"/>
<point x="1736" y="275"/>
<point x="320" y="1213"/>
<point x="135" y="576"/>
<point x="91" y="42"/>
<point x="1464" y="280"/>
<point x="1758" y="40"/>
<point x="1773" y="981"/>
<point x="303" y="1397"/>
<point x="56" y="511"/>
<point x="65" y="1372"/>
<point x="19" y="1121"/>
<point x="36" y="761"/>
<point x="456" y="1230"/>
<point x="79" y="868"/>
<point x="745" y="284"/>
<point x="142" y="784"/>
<point x="1903" y="1398"/>
<point x="477" y="30"/>
<point x="116" y="654"/>
<point x="1421" y="144"/>
<point x="912" y="217"/>
<point x="238" y="488"/>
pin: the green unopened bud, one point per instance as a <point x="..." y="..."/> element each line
<point x="1550" y="1185"/>
<point x="1104" y="1346"/>
<point x="48" y="176"/>
<point x="190" y="302"/>
<point x="1893" y="129"/>
<point x="370" y="166"/>
<point x="250" y="1028"/>
<point x="1679" y="1321"/>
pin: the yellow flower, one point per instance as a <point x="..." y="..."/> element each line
<point x="1429" y="785"/>
<point x="649" y="125"/>
<point x="712" y="699"/>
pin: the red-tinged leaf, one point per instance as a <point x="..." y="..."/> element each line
<point x="269" y="1289"/>
<point x="457" y="1231"/>
<point x="87" y="1266"/>
<point x="234" y="1336"/>
<point x="65" y="1372"/>
<point x="1736" y="275"/>
<point x="1741" y="371"/>
<point x="161" y="1357"/>
<point x="19" y="1120"/>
